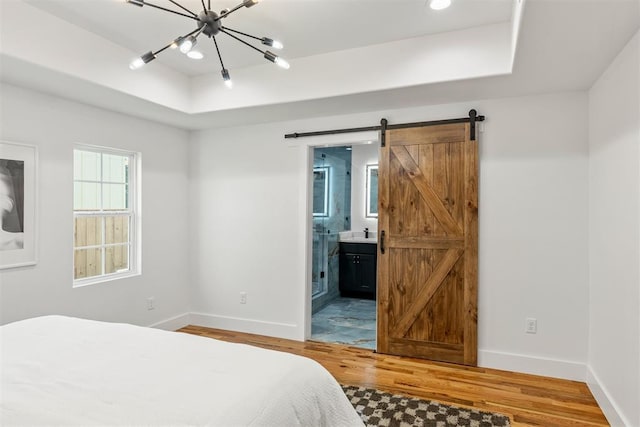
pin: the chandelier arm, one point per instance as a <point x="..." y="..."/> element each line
<point x="209" y="4"/>
<point x="230" y="12"/>
<point x="204" y="8"/>
<point x="240" y="32"/>
<point x="183" y="8"/>
<point x="163" y="49"/>
<point x="176" y="41"/>
<point x="146" y="3"/>
<point x="242" y="41"/>
<point x="218" y="50"/>
<point x="197" y="30"/>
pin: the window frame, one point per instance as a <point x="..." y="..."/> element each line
<point x="132" y="212"/>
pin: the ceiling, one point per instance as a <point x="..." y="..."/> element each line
<point x="347" y="56"/>
<point x="306" y="27"/>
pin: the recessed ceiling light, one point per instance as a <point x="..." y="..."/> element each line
<point x="439" y="4"/>
<point x="194" y="54"/>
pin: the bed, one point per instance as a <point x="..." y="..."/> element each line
<point x="58" y="370"/>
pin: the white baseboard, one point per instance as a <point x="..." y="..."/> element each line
<point x="174" y="323"/>
<point x="556" y="368"/>
<point x="606" y="403"/>
<point x="260" y="327"/>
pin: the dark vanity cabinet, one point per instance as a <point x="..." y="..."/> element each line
<point x="358" y="267"/>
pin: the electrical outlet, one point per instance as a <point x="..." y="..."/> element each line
<point x="243" y="297"/>
<point x="151" y="303"/>
<point x="531" y="325"/>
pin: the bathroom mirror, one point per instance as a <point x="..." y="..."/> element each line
<point x="372" y="191"/>
<point x="321" y="191"/>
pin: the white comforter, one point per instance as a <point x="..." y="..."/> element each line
<point x="64" y="371"/>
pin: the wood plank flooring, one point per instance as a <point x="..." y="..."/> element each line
<point x="529" y="400"/>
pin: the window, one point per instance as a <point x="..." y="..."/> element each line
<point x="105" y="195"/>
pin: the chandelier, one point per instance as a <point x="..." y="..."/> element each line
<point x="208" y="23"/>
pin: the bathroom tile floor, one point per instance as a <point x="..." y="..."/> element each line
<point x="348" y="321"/>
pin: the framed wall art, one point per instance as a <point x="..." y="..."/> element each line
<point x="18" y="200"/>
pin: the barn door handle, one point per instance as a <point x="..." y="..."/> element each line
<point x="382" y="242"/>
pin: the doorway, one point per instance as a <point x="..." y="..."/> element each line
<point x="343" y="296"/>
<point x="427" y="251"/>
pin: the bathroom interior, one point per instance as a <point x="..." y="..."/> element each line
<point x="345" y="223"/>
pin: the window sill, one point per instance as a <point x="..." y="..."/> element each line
<point x="107" y="278"/>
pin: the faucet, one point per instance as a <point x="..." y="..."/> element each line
<point x="366" y="233"/>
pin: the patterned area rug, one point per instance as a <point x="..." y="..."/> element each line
<point x="377" y="408"/>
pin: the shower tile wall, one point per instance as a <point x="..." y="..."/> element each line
<point x="326" y="228"/>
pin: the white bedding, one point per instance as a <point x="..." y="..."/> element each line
<point x="64" y="371"/>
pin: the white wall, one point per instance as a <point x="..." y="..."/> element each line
<point x="54" y="125"/>
<point x="361" y="156"/>
<point x="248" y="191"/>
<point x="614" y="238"/>
<point x="249" y="194"/>
<point x="429" y="59"/>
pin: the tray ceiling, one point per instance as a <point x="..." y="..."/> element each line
<point x="306" y="27"/>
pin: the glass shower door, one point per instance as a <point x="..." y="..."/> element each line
<point x="331" y="214"/>
<point x="318" y="271"/>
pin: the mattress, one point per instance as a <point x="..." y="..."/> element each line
<point x="59" y="370"/>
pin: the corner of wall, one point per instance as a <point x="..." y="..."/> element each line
<point x="605" y="401"/>
<point x="516" y="21"/>
<point x="612" y="122"/>
<point x="173" y="323"/>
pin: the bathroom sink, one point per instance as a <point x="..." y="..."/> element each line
<point x="358" y="237"/>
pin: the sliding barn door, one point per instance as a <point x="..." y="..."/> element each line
<point x="428" y="249"/>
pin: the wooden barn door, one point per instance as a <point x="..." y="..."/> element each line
<point x="427" y="254"/>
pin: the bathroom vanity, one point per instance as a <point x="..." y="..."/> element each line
<point x="358" y="265"/>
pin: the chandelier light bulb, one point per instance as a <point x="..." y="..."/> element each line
<point x="276" y="59"/>
<point x="187" y="44"/>
<point x="227" y="78"/>
<point x="273" y="43"/>
<point x="139" y="62"/>
<point x="439" y="4"/>
<point x="136" y="63"/>
<point x="282" y="63"/>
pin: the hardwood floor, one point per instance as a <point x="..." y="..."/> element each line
<point x="526" y="399"/>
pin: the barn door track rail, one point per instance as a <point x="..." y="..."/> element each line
<point x="384" y="126"/>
